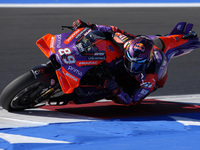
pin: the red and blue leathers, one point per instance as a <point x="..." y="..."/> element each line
<point x="149" y="80"/>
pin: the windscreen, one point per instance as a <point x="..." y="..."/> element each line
<point x="87" y="44"/>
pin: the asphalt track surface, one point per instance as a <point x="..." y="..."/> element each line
<point x="21" y="27"/>
<point x="154" y="124"/>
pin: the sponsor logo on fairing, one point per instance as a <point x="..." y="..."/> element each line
<point x="71" y="77"/>
<point x="52" y="42"/>
<point x="99" y="54"/>
<point x="87" y="32"/>
<point x="72" y="36"/>
<point x="80" y="34"/>
<point x="88" y="63"/>
<point x="96" y="58"/>
<point x="59" y="40"/>
<point x="71" y="68"/>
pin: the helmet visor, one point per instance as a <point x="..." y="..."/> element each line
<point x="134" y="65"/>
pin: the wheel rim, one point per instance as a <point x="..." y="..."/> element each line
<point x="27" y="98"/>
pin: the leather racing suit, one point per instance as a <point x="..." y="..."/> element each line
<point x="139" y="85"/>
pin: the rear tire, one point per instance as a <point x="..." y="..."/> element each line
<point x="19" y="94"/>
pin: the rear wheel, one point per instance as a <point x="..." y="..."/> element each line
<point x="22" y="93"/>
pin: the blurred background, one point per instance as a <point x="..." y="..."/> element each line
<point x="20" y="28"/>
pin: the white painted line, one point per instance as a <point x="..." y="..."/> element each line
<point x="12" y="139"/>
<point x="23" y="121"/>
<point x="100" y="5"/>
<point x="37" y="117"/>
<point x="189" y="99"/>
<point x="186" y="121"/>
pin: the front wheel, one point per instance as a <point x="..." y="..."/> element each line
<point x="22" y="93"/>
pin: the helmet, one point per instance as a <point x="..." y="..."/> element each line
<point x="138" y="55"/>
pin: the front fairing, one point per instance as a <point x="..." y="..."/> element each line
<point x="74" y="64"/>
<point x="71" y="62"/>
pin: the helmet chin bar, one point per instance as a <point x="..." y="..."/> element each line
<point x="135" y="66"/>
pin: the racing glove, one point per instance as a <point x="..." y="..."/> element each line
<point x="116" y="29"/>
<point x="79" y="24"/>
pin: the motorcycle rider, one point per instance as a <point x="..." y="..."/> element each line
<point x="143" y="60"/>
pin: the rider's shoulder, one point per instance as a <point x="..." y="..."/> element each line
<point x="159" y="57"/>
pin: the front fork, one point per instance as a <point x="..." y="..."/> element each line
<point x="45" y="74"/>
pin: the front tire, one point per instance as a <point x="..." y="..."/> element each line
<point x="21" y="93"/>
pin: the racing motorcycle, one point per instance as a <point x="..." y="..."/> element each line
<point x="79" y="63"/>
